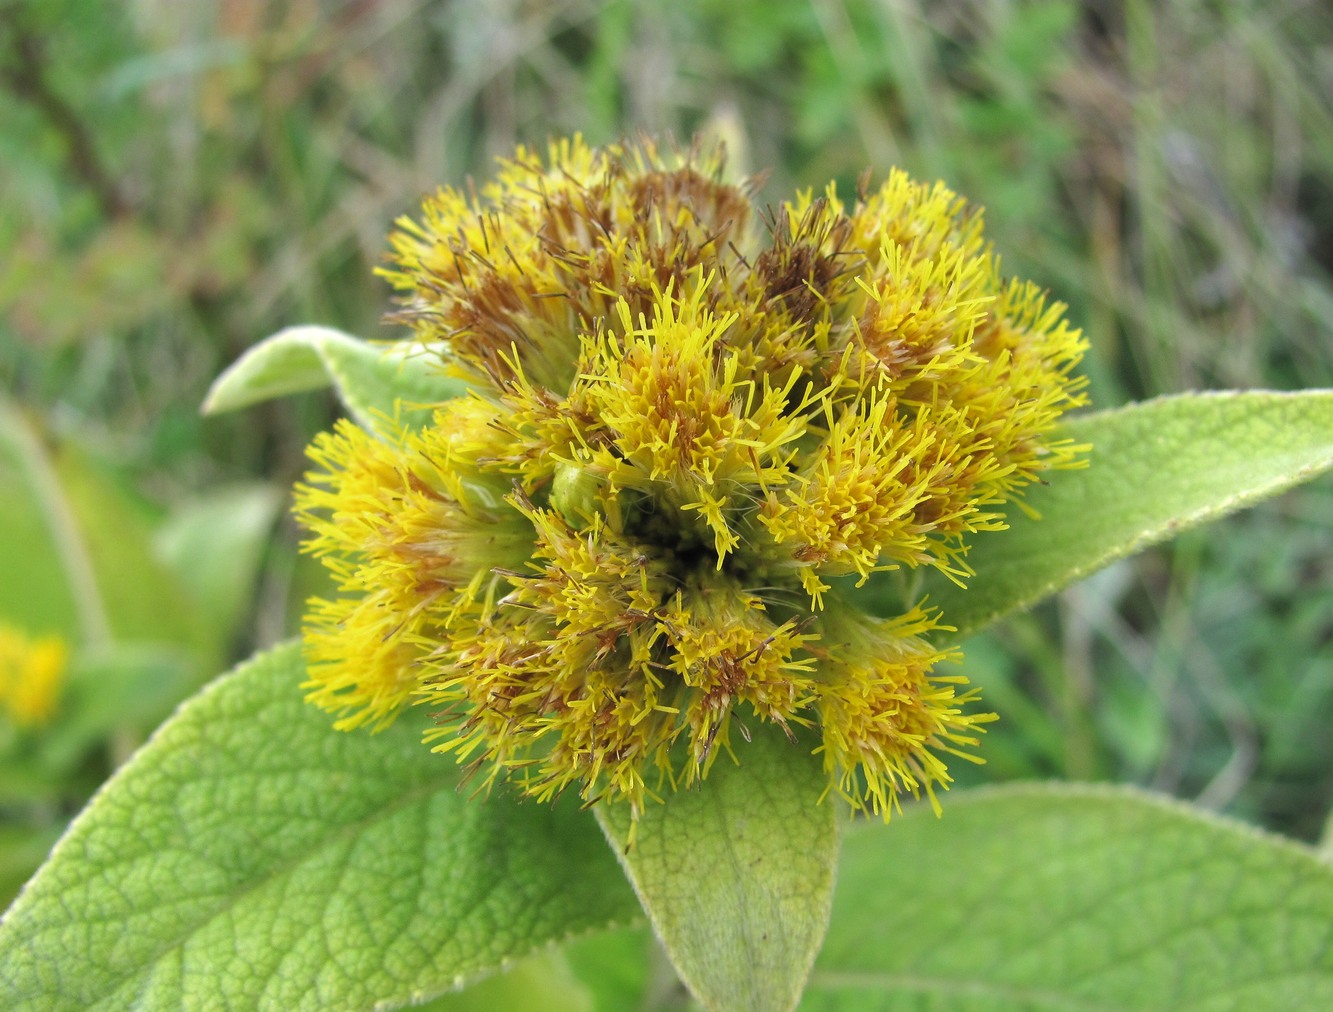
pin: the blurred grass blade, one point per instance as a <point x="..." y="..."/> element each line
<point x="78" y="554"/>
<point x="1157" y="468"/>
<point x="370" y="379"/>
<point x="252" y="857"/>
<point x="737" y="876"/>
<point x="145" y="601"/>
<point x="49" y="582"/>
<point x="1074" y="897"/>
<point x="215" y="545"/>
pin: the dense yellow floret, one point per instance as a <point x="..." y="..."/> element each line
<point x="688" y="443"/>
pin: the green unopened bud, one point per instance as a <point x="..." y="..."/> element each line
<point x="574" y="493"/>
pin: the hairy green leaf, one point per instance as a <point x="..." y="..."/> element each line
<point x="1074" y="897"/>
<point x="737" y="876"/>
<point x="250" y="856"/>
<point x="1156" y="469"/>
<point x="372" y="380"/>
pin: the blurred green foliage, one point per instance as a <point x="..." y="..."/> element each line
<point x="183" y="179"/>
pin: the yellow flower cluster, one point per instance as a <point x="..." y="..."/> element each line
<point x="32" y="671"/>
<point x="691" y="436"/>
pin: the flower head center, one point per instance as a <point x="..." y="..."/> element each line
<point x="683" y="433"/>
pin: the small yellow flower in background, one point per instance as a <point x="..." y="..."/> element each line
<point x="691" y="436"/>
<point x="32" y="671"/>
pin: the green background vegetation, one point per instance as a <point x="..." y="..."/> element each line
<point x="180" y="180"/>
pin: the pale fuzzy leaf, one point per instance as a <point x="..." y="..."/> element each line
<point x="373" y="380"/>
<point x="252" y="857"/>
<point x="1074" y="897"/>
<point x="1156" y="469"/>
<point x="737" y="875"/>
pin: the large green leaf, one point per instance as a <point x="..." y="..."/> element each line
<point x="108" y="694"/>
<point x="250" y="856"/>
<point x="370" y="378"/>
<point x="1157" y="468"/>
<point x="737" y="876"/>
<point x="1074" y="897"/>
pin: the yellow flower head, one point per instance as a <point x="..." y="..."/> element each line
<point x="690" y="438"/>
<point x="32" y="671"/>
